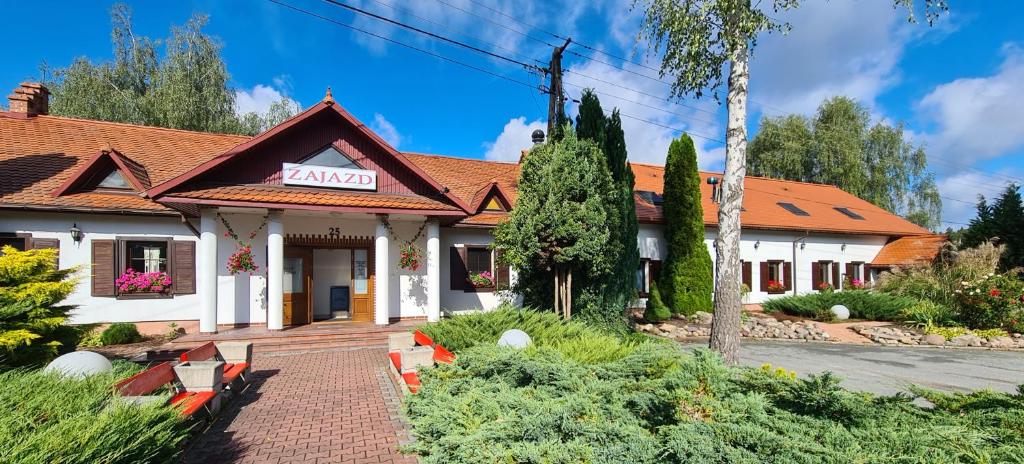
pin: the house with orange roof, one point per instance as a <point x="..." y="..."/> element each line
<point x="319" y="218"/>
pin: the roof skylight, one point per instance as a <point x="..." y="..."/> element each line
<point x="793" y="209"/>
<point x="849" y="213"/>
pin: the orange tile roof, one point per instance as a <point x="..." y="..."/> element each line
<point x="39" y="154"/>
<point x="761" y="210"/>
<point x="466" y="177"/>
<point x="280" y="194"/>
<point x="908" y="251"/>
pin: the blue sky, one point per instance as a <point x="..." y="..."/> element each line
<point x="956" y="86"/>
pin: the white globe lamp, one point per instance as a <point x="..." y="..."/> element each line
<point x="79" y="364"/>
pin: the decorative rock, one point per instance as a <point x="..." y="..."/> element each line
<point x="666" y="327"/>
<point x="934" y="339"/>
<point x="965" y="340"/>
<point x="1000" y="342"/>
<point x="841" y="312"/>
<point x="79" y="364"/>
<point x="515" y="338"/>
<point x="702" y="317"/>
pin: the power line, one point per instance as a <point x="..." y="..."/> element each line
<point x="431" y="34"/>
<point x="643" y="104"/>
<point x="396" y="42"/>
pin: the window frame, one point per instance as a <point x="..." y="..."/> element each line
<point x="331" y="146"/>
<point x="645" y="278"/>
<point x="121" y="265"/>
<point x="780" y="266"/>
<point x="494" y="276"/>
<point x="26" y="239"/>
<point x="825" y="270"/>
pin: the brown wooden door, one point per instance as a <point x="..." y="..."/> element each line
<point x="298" y="285"/>
<point x="362" y="285"/>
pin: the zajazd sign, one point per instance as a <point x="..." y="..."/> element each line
<point x="325" y="176"/>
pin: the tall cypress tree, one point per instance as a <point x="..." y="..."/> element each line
<point x="686" y="282"/>
<point x="591" y="124"/>
<point x="1008" y="218"/>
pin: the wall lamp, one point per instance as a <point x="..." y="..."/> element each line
<point x="803" y="245"/>
<point x="842" y="247"/>
<point x="76" y="233"/>
<point x="757" y="244"/>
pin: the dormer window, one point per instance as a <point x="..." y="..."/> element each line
<point x="331" y="157"/>
<point x="114" y="180"/>
<point x="494" y="205"/>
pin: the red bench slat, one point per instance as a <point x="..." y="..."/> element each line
<point x="396" y="360"/>
<point x="422" y="339"/>
<point x="202" y="352"/>
<point x="147" y="381"/>
<point x="232" y="371"/>
<point x="192" y="402"/>
<point x="442" y="355"/>
<point x="412" y="381"/>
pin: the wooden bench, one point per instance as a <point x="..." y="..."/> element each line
<point x="147" y="382"/>
<point x="233" y="371"/>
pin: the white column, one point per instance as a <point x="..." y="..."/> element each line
<point x="382" y="269"/>
<point x="275" y="272"/>
<point x="433" y="271"/>
<point x="206" y="281"/>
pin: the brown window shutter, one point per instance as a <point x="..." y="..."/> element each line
<point x="501" y="271"/>
<point x="183" y="260"/>
<point x="104" y="269"/>
<point x="835" y="276"/>
<point x="748" y="274"/>
<point x="867" y="272"/>
<point x="459" y="274"/>
<point x="44" y="243"/>
<point x="815" y="275"/>
<point x="764" y="276"/>
<point x="787" y="274"/>
<point x="849" y="272"/>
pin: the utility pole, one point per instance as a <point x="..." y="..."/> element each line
<point x="556" y="97"/>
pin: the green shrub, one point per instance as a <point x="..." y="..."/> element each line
<point x="120" y="333"/>
<point x="925" y="313"/>
<point x="991" y="301"/>
<point x="861" y="303"/>
<point x="91" y="337"/>
<point x="32" y="320"/>
<point x="656" y="310"/>
<point x="575" y="340"/>
<point x="659" y="404"/>
<point x="47" y="418"/>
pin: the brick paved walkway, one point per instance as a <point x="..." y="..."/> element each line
<point x="334" y="406"/>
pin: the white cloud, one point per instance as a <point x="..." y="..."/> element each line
<point x="386" y="130"/>
<point x="834" y="48"/>
<point x="961" y="191"/>
<point x="515" y="137"/>
<point x="259" y="99"/>
<point x="649" y="121"/>
<point x="980" y="117"/>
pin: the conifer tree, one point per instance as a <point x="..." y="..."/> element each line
<point x="1003" y="223"/>
<point x="32" y="320"/>
<point x="686" y="280"/>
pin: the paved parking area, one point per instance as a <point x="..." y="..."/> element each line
<point x="334" y="406"/>
<point x="888" y="370"/>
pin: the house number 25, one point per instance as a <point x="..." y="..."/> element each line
<point x="334" y="232"/>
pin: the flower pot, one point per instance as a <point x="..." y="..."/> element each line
<point x="197" y="376"/>
<point x="235" y="352"/>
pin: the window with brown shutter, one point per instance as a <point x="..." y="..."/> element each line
<point x="748" y="278"/>
<point x="835" y="276"/>
<point x="787" y="272"/>
<point x="183" y="259"/>
<point x="764" y="276"/>
<point x="20" y="241"/>
<point x="103" y="268"/>
<point x="44" y="243"/>
<point x="479" y="259"/>
<point x="774" y="272"/>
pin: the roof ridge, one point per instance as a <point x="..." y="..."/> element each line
<point x="464" y="158"/>
<point x="139" y="126"/>
<point x="748" y="176"/>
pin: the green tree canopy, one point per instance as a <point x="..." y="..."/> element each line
<point x="840" y="146"/>
<point x="686" y="280"/>
<point x="184" y="87"/>
<point x="1002" y="223"/>
<point x="32" y="318"/>
<point x="558" y="237"/>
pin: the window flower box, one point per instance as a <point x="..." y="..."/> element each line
<point x="775" y="286"/>
<point x="482" y="280"/>
<point x="143" y="283"/>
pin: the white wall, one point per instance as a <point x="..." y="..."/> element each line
<point x="330" y="268"/>
<point x="97" y="227"/>
<point x="772" y="245"/>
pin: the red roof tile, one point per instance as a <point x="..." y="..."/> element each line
<point x="909" y="251"/>
<point x="280" y="194"/>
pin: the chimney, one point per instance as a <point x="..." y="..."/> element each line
<point x="716" y="193"/>
<point x="29" y="99"/>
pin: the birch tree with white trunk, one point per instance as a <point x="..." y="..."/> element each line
<point x="698" y="41"/>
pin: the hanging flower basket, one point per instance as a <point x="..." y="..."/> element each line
<point x="242" y="259"/>
<point x="143" y="282"/>
<point x="409" y="257"/>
